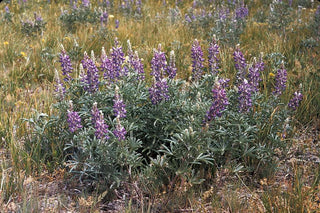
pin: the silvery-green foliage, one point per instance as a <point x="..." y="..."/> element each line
<point x="170" y="140"/>
<point x="74" y="16"/>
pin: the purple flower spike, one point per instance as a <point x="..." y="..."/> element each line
<point x="66" y="65"/>
<point x="254" y="75"/>
<point x="158" y="63"/>
<point x="137" y="65"/>
<point x="240" y="63"/>
<point x="74" y="120"/>
<point x="91" y="78"/>
<point x="118" y="105"/>
<point x="213" y="59"/>
<point x="159" y="91"/>
<point x="120" y="132"/>
<point x="245" y="101"/>
<point x="104" y="19"/>
<point x="117" y="59"/>
<point x="117" y="22"/>
<point x="281" y="80"/>
<point x="197" y="60"/>
<point x="106" y="67"/>
<point x="171" y="68"/>
<point x="59" y="88"/>
<point x="294" y="102"/>
<point x="220" y="101"/>
<point x="98" y="123"/>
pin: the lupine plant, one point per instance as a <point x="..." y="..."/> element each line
<point x="7" y="15"/>
<point x="76" y="15"/>
<point x="107" y="129"/>
<point x="33" y="27"/>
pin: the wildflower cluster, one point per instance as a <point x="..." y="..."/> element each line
<point x="294" y="102"/>
<point x="109" y="119"/>
<point x="33" y="27"/>
<point x="81" y="14"/>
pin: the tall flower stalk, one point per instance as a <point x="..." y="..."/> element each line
<point x="245" y="93"/>
<point x="197" y="60"/>
<point x="158" y="63"/>
<point x="90" y="79"/>
<point x="120" y="132"/>
<point x="171" y="68"/>
<point x="213" y="52"/>
<point x="254" y="74"/>
<point x="240" y="63"/>
<point x="119" y="109"/>
<point x="66" y="65"/>
<point x="74" y="120"/>
<point x="101" y="128"/>
<point x="281" y="80"/>
<point x="159" y="91"/>
<point x="220" y="100"/>
<point x="59" y="87"/>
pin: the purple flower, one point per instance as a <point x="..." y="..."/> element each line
<point x="37" y="17"/>
<point x="224" y="82"/>
<point x="101" y="128"/>
<point x="137" y="65"/>
<point x="66" y="65"/>
<point x="294" y="102"/>
<point x="117" y="22"/>
<point x="104" y="19"/>
<point x="91" y="78"/>
<point x="281" y="80"/>
<point x="119" y="109"/>
<point x="117" y="59"/>
<point x="59" y="88"/>
<point x="159" y="91"/>
<point x="240" y="63"/>
<point x="120" y="132"/>
<point x="106" y="67"/>
<point x="223" y="13"/>
<point x="241" y="11"/>
<point x="197" y="60"/>
<point x="213" y="52"/>
<point x="171" y="68"/>
<point x="245" y="91"/>
<point x="74" y="120"/>
<point x="188" y="19"/>
<point x="85" y="3"/>
<point x="219" y="103"/>
<point x="158" y="63"/>
<point x="254" y="74"/>
<point x="7" y="9"/>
